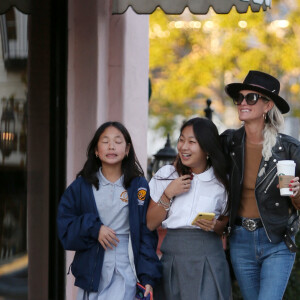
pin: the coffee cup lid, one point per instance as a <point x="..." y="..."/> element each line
<point x="286" y="162"/>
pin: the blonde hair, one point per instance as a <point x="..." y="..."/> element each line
<point x="273" y="124"/>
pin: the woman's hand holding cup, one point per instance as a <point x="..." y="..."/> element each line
<point x="294" y="186"/>
<point x="286" y="174"/>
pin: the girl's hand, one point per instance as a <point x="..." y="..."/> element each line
<point x="294" y="186"/>
<point x="206" y="225"/>
<point x="178" y="186"/>
<point x="107" y="237"/>
<point x="148" y="289"/>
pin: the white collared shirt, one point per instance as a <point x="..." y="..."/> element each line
<point x="206" y="194"/>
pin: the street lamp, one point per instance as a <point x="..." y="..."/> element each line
<point x="208" y="111"/>
<point x="7" y="131"/>
<point x="163" y="157"/>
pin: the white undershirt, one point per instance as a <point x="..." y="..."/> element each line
<point x="206" y="194"/>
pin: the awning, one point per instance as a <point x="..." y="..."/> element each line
<point x="175" y="7"/>
<point x="22" y="5"/>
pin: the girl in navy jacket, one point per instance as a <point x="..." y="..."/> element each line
<point x="102" y="216"/>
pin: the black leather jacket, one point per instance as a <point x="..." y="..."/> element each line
<point x="279" y="217"/>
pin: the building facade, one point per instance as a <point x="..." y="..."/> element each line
<point x="83" y="66"/>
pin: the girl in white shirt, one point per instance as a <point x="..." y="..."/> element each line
<point x="194" y="263"/>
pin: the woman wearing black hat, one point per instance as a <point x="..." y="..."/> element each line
<point x="262" y="223"/>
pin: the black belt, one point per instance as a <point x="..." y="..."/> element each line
<point x="249" y="224"/>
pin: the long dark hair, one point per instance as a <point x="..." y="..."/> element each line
<point x="207" y="136"/>
<point x="130" y="167"/>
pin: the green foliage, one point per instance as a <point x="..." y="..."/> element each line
<point x="193" y="57"/>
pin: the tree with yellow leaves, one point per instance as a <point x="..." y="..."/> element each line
<point x="193" y="57"/>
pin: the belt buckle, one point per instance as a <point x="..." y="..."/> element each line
<point x="249" y="224"/>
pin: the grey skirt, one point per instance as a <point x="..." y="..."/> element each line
<point x="194" y="267"/>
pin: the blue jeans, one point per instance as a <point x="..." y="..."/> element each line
<point x="262" y="269"/>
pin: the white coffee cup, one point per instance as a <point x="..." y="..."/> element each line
<point x="285" y="172"/>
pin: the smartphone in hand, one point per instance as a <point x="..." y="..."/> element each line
<point x="205" y="216"/>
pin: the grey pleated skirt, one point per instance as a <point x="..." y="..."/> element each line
<point x="194" y="267"/>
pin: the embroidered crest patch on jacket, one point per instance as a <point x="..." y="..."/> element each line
<point x="141" y="195"/>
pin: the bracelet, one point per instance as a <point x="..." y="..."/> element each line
<point x="163" y="202"/>
<point x="165" y="205"/>
<point x="167" y="196"/>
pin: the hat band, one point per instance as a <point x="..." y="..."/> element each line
<point x="262" y="87"/>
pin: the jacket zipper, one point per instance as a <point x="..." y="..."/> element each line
<point x="266" y="177"/>
<point x="96" y="211"/>
<point x="230" y="218"/>
<point x="265" y="192"/>
<point x="262" y="220"/>
<point x="92" y="281"/>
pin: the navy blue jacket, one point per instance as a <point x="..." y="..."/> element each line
<point x="78" y="228"/>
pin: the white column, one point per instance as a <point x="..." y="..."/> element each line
<point x="82" y="117"/>
<point x="128" y="77"/>
<point x="136" y="75"/>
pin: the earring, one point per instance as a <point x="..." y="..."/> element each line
<point x="207" y="157"/>
<point x="96" y="155"/>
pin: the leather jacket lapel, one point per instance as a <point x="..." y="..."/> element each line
<point x="238" y="151"/>
<point x="270" y="165"/>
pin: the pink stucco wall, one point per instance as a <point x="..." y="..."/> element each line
<point x="107" y="80"/>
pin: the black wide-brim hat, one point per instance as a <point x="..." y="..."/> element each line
<point x="263" y="83"/>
